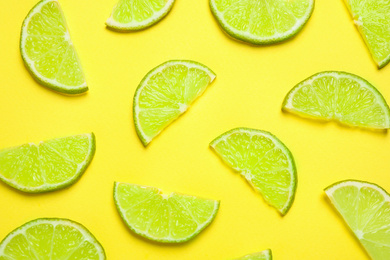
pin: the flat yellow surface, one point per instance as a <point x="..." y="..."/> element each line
<point x="248" y="92"/>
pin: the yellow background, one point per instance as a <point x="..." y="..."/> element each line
<point x="250" y="87"/>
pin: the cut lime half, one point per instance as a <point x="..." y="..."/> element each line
<point x="172" y="218"/>
<point x="262" y="21"/>
<point x="51" y="238"/>
<point x="263" y="160"/>
<point x="339" y="96"/>
<point x="263" y="255"/>
<point x="47" y="49"/>
<point x="130" y="15"/>
<point x="47" y="166"/>
<point x="365" y="208"/>
<point x="165" y="93"/>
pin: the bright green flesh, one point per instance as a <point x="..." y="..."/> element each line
<point x="263" y="255"/>
<point x="170" y="218"/>
<point x="138" y="14"/>
<point x="264" y="161"/>
<point x="48" y="51"/>
<point x="165" y="93"/>
<point x="365" y="207"/>
<point x="51" y="239"/>
<point x="372" y="17"/>
<point x="339" y="96"/>
<point x="50" y="165"/>
<point x="262" y="21"/>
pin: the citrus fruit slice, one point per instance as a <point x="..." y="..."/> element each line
<point x="172" y="218"/>
<point x="261" y="21"/>
<point x="365" y="208"/>
<point x="48" y="51"/>
<point x="47" y="166"/>
<point x="165" y="93"/>
<point x="263" y="255"/>
<point x="264" y="161"/>
<point x="51" y="238"/>
<point x="130" y="15"/>
<point x="339" y="96"/>
<point x="372" y="18"/>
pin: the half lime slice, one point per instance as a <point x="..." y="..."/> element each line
<point x="47" y="166"/>
<point x="365" y="208"/>
<point x="265" y="162"/>
<point x="172" y="218"/>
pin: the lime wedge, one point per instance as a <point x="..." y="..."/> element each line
<point x="53" y="238"/>
<point x="264" y="161"/>
<point x="47" y="166"/>
<point x="372" y="18"/>
<point x="48" y="51"/>
<point x="172" y="218"/>
<point x="365" y="207"/>
<point x="261" y="21"/>
<point x="130" y="15"/>
<point x="165" y="93"/>
<point x="339" y="96"/>
<point x="263" y="255"/>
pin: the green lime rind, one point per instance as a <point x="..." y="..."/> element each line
<point x="33" y="164"/>
<point x="49" y="83"/>
<point x="263" y="255"/>
<point x="139" y="25"/>
<point x="188" y="63"/>
<point x="88" y="237"/>
<point x="338" y="111"/>
<point x="152" y="222"/>
<point x="365" y="208"/>
<point x="256" y="40"/>
<point x="247" y="172"/>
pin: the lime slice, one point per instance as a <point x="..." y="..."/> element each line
<point x="365" y="207"/>
<point x="165" y="93"/>
<point x="47" y="166"/>
<point x="172" y="218"/>
<point x="48" y="51"/>
<point x="261" y="21"/>
<point x="54" y="238"/>
<point x="264" y="161"/>
<point x="130" y="15"/>
<point x="263" y="255"/>
<point x="339" y="96"/>
<point x="372" y="18"/>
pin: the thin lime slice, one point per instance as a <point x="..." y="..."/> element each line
<point x="261" y="21"/>
<point x="47" y="166"/>
<point x="365" y="207"/>
<point x="51" y="238"/>
<point x="372" y="18"/>
<point x="263" y="255"/>
<point x="165" y="93"/>
<point x="172" y="218"/>
<point x="264" y="161"/>
<point x="48" y="51"/>
<point x="339" y="96"/>
<point x="130" y="15"/>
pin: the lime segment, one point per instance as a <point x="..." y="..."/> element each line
<point x="264" y="161"/>
<point x="164" y="218"/>
<point x="263" y="255"/>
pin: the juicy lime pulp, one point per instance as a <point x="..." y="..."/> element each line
<point x="263" y="255"/>
<point x="164" y="218"/>
<point x="48" y="51"/>
<point x="165" y="93"/>
<point x="47" y="166"/>
<point x="264" y="161"/>
<point x="339" y="96"/>
<point x="262" y="21"/>
<point x="51" y="239"/>
<point x="365" y="207"/>
<point x="138" y="14"/>
<point x="372" y="18"/>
